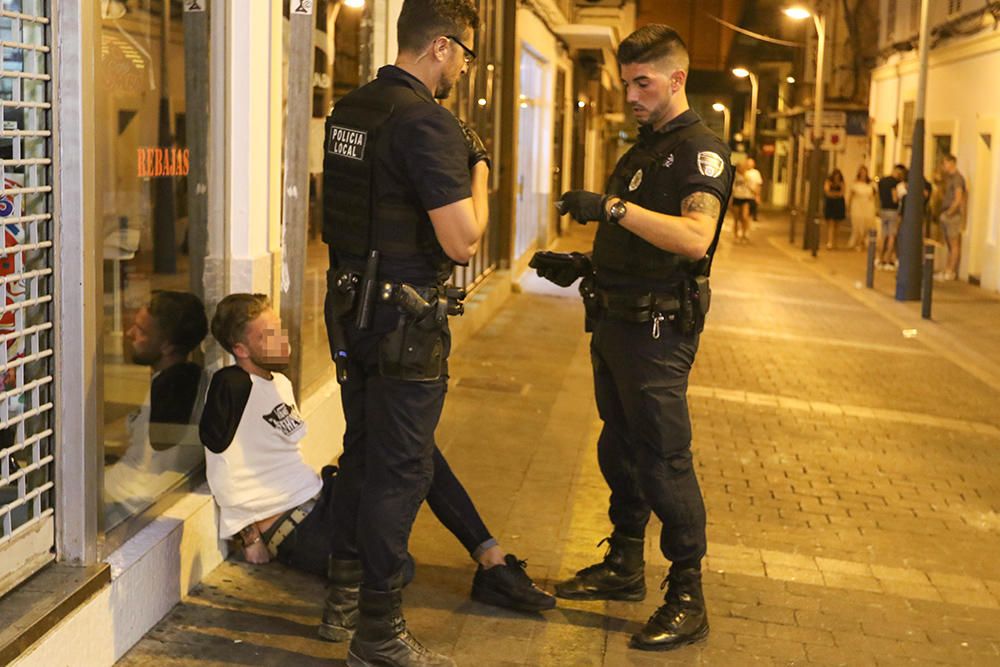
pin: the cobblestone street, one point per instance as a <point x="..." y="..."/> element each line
<point x="849" y="470"/>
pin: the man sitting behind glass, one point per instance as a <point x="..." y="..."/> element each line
<point x="162" y="445"/>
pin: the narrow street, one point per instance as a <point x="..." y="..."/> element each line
<point x="849" y="472"/>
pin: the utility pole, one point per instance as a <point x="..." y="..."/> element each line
<point x="295" y="201"/>
<point x="911" y="231"/>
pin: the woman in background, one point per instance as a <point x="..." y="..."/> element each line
<point x="861" y="205"/>
<point x="834" y="208"/>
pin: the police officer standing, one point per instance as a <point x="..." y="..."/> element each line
<point x="659" y="224"/>
<point x="405" y="198"/>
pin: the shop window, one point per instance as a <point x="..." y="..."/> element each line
<point x="151" y="232"/>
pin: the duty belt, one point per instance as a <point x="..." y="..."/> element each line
<point x="639" y="308"/>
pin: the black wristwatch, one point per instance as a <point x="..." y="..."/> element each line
<point x="617" y="211"/>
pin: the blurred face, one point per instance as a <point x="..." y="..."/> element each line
<point x="751" y="164"/>
<point x="949" y="166"/>
<point x="456" y="63"/>
<point x="652" y="90"/>
<point x="862" y="174"/>
<point x="144" y="344"/>
<point x="265" y="342"/>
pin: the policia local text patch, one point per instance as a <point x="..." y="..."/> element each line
<point x="347" y="142"/>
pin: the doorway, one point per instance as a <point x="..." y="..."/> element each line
<point x="531" y="219"/>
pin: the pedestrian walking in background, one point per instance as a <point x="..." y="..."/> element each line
<point x="834" y="207"/>
<point x="743" y="197"/>
<point x="952" y="218"/>
<point x="861" y="205"/>
<point x="888" y="214"/>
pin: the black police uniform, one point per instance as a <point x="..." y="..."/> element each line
<point x="645" y="337"/>
<point x="392" y="154"/>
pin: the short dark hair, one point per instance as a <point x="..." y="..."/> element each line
<point x="653" y="42"/>
<point x="949" y="158"/>
<point x="422" y="21"/>
<point x="233" y="314"/>
<point x="180" y="318"/>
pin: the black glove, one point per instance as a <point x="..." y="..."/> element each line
<point x="477" y="149"/>
<point x="583" y="206"/>
<point x="561" y="268"/>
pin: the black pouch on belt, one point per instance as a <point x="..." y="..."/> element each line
<point x="414" y="350"/>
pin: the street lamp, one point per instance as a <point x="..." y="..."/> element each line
<point x="722" y="108"/>
<point x="743" y="73"/>
<point x="811" y="237"/>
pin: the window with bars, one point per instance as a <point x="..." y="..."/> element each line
<point x="26" y="281"/>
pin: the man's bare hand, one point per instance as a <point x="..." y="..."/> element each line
<point x="257" y="553"/>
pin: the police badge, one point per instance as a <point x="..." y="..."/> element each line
<point x="710" y="164"/>
<point x="635" y="182"/>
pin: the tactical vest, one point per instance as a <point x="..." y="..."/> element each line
<point x="636" y="179"/>
<point x="358" y="132"/>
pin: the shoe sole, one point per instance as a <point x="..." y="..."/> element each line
<point x="701" y="635"/>
<point x="500" y="600"/>
<point x="334" y="633"/>
<point x="621" y="596"/>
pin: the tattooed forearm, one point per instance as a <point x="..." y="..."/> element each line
<point x="701" y="202"/>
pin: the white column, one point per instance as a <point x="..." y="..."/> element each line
<point x="252" y="191"/>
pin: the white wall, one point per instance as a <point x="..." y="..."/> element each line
<point x="961" y="97"/>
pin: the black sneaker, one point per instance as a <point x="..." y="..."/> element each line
<point x="509" y="586"/>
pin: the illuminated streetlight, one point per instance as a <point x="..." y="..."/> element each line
<point x="797" y="12"/>
<point x="354" y="4"/>
<point x="482" y="101"/>
<point x="724" y="110"/>
<point x="743" y="73"/>
<point x="790" y="79"/>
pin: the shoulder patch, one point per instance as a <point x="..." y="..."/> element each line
<point x="711" y="164"/>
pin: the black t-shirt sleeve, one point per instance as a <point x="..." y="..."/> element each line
<point x="704" y="163"/>
<point x="224" y="405"/>
<point x="173" y="394"/>
<point x="434" y="155"/>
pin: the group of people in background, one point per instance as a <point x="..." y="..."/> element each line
<point x="882" y="202"/>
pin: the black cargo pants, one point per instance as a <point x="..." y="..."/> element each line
<point x="644" y="449"/>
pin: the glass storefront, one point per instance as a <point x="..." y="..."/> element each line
<point x="154" y="323"/>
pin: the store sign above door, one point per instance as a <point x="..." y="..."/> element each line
<point x="158" y="162"/>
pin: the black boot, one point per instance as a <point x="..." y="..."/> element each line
<point x="620" y="576"/>
<point x="682" y="620"/>
<point x="382" y="639"/>
<point x="340" y="611"/>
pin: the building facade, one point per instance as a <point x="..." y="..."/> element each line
<point x="145" y="148"/>
<point x="961" y="115"/>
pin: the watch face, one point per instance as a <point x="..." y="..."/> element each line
<point x="618" y="210"/>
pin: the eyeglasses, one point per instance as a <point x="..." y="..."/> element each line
<point x="470" y="55"/>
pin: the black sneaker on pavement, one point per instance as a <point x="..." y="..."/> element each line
<point x="509" y="586"/>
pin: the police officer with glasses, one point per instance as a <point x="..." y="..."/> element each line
<point x="646" y="293"/>
<point x="405" y="200"/>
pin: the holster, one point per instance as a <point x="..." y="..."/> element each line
<point x="341" y="298"/>
<point x="591" y="304"/>
<point x="414" y="350"/>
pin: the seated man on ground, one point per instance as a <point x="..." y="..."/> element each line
<point x="276" y="503"/>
